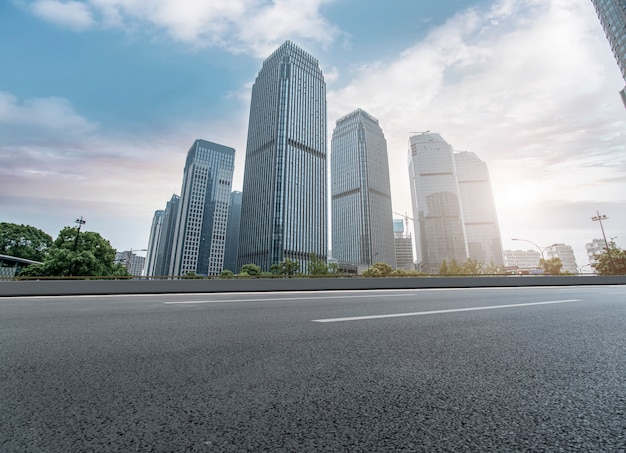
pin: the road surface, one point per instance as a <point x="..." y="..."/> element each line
<point x="518" y="369"/>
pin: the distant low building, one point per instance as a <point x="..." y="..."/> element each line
<point x="566" y="254"/>
<point x="522" y="259"/>
<point x="10" y="266"/>
<point x="134" y="263"/>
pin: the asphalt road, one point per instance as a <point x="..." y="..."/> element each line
<point x="519" y="369"/>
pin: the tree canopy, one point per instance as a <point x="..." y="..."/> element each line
<point x="24" y="241"/>
<point x="288" y="268"/>
<point x="73" y="254"/>
<point x="615" y="264"/>
<point x="551" y="266"/>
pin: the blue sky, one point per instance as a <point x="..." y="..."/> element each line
<point x="101" y="99"/>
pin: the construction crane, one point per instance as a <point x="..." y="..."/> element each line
<point x="406" y="220"/>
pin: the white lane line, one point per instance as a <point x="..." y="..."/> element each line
<point x="280" y="299"/>
<point x="437" y="312"/>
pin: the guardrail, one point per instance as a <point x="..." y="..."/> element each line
<point x="104" y="287"/>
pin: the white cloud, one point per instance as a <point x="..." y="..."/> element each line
<point x="71" y="14"/>
<point x="530" y="86"/>
<point x="251" y="26"/>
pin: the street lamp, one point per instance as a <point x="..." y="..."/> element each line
<point x="599" y="218"/>
<point x="80" y="223"/>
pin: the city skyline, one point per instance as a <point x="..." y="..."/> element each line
<point x="529" y="86"/>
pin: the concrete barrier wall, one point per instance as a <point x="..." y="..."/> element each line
<point x="102" y="287"/>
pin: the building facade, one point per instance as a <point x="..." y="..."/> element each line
<point x="200" y="230"/>
<point x="566" y="254"/>
<point x="153" y="242"/>
<point x="404" y="245"/>
<point x="524" y="260"/>
<point x="612" y="15"/>
<point x="482" y="231"/>
<point x="594" y="248"/>
<point x="284" y="207"/>
<point x="362" y="219"/>
<point x="232" y="232"/>
<point x="166" y="239"/>
<point x="436" y="200"/>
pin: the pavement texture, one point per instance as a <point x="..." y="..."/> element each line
<point x="253" y="372"/>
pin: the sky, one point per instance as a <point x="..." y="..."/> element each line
<point x="100" y="100"/>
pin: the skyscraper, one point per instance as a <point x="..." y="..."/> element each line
<point x="232" y="232"/>
<point x="480" y="218"/>
<point x="438" y="220"/>
<point x="153" y="242"/>
<point x="166" y="239"/>
<point x="200" y="232"/>
<point x="612" y="15"/>
<point x="404" y="245"/>
<point x="283" y="212"/>
<point x="362" y="219"/>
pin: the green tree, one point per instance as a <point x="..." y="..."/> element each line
<point x="24" y="241"/>
<point x="451" y="268"/>
<point x="288" y="268"/>
<point x="616" y="265"/>
<point x="226" y="273"/>
<point x="378" y="269"/>
<point x="86" y="254"/>
<point x="551" y="266"/>
<point x="250" y="269"/>
<point x="317" y="266"/>
<point x="473" y="267"/>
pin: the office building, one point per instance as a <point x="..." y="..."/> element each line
<point x="594" y="248"/>
<point x="403" y="245"/>
<point x="566" y="254"/>
<point x="134" y="263"/>
<point x="438" y="220"/>
<point x="283" y="207"/>
<point x="362" y="219"/>
<point x="480" y="218"/>
<point x="153" y="242"/>
<point x="612" y="15"/>
<point x="200" y="231"/>
<point x="232" y="232"/>
<point x="166" y="239"/>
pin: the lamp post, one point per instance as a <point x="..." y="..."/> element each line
<point x="80" y="223"/>
<point x="599" y="218"/>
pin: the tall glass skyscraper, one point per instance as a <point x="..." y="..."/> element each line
<point x="612" y="14"/>
<point x="362" y="218"/>
<point x="283" y="212"/>
<point x="200" y="233"/>
<point x="166" y="238"/>
<point x="482" y="231"/>
<point x="153" y="242"/>
<point x="232" y="233"/>
<point x="438" y="219"/>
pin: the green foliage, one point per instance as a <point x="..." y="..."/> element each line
<point x="192" y="274"/>
<point x="24" y="241"/>
<point x="470" y="267"/>
<point x="406" y="273"/>
<point x="250" y="270"/>
<point x="86" y="254"/>
<point x="551" y="266"/>
<point x="288" y="268"/>
<point x="616" y="265"/>
<point x="226" y="273"/>
<point x="317" y="266"/>
<point x="378" y="269"/>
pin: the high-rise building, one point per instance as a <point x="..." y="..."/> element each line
<point x="153" y="242"/>
<point x="232" y="232"/>
<point x="438" y="219"/>
<point x="134" y="263"/>
<point x="566" y="254"/>
<point x="200" y="232"/>
<point x="526" y="260"/>
<point x="283" y="212"/>
<point x="612" y="15"/>
<point x="403" y="244"/>
<point x="166" y="239"/>
<point x="362" y="219"/>
<point x="480" y="218"/>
